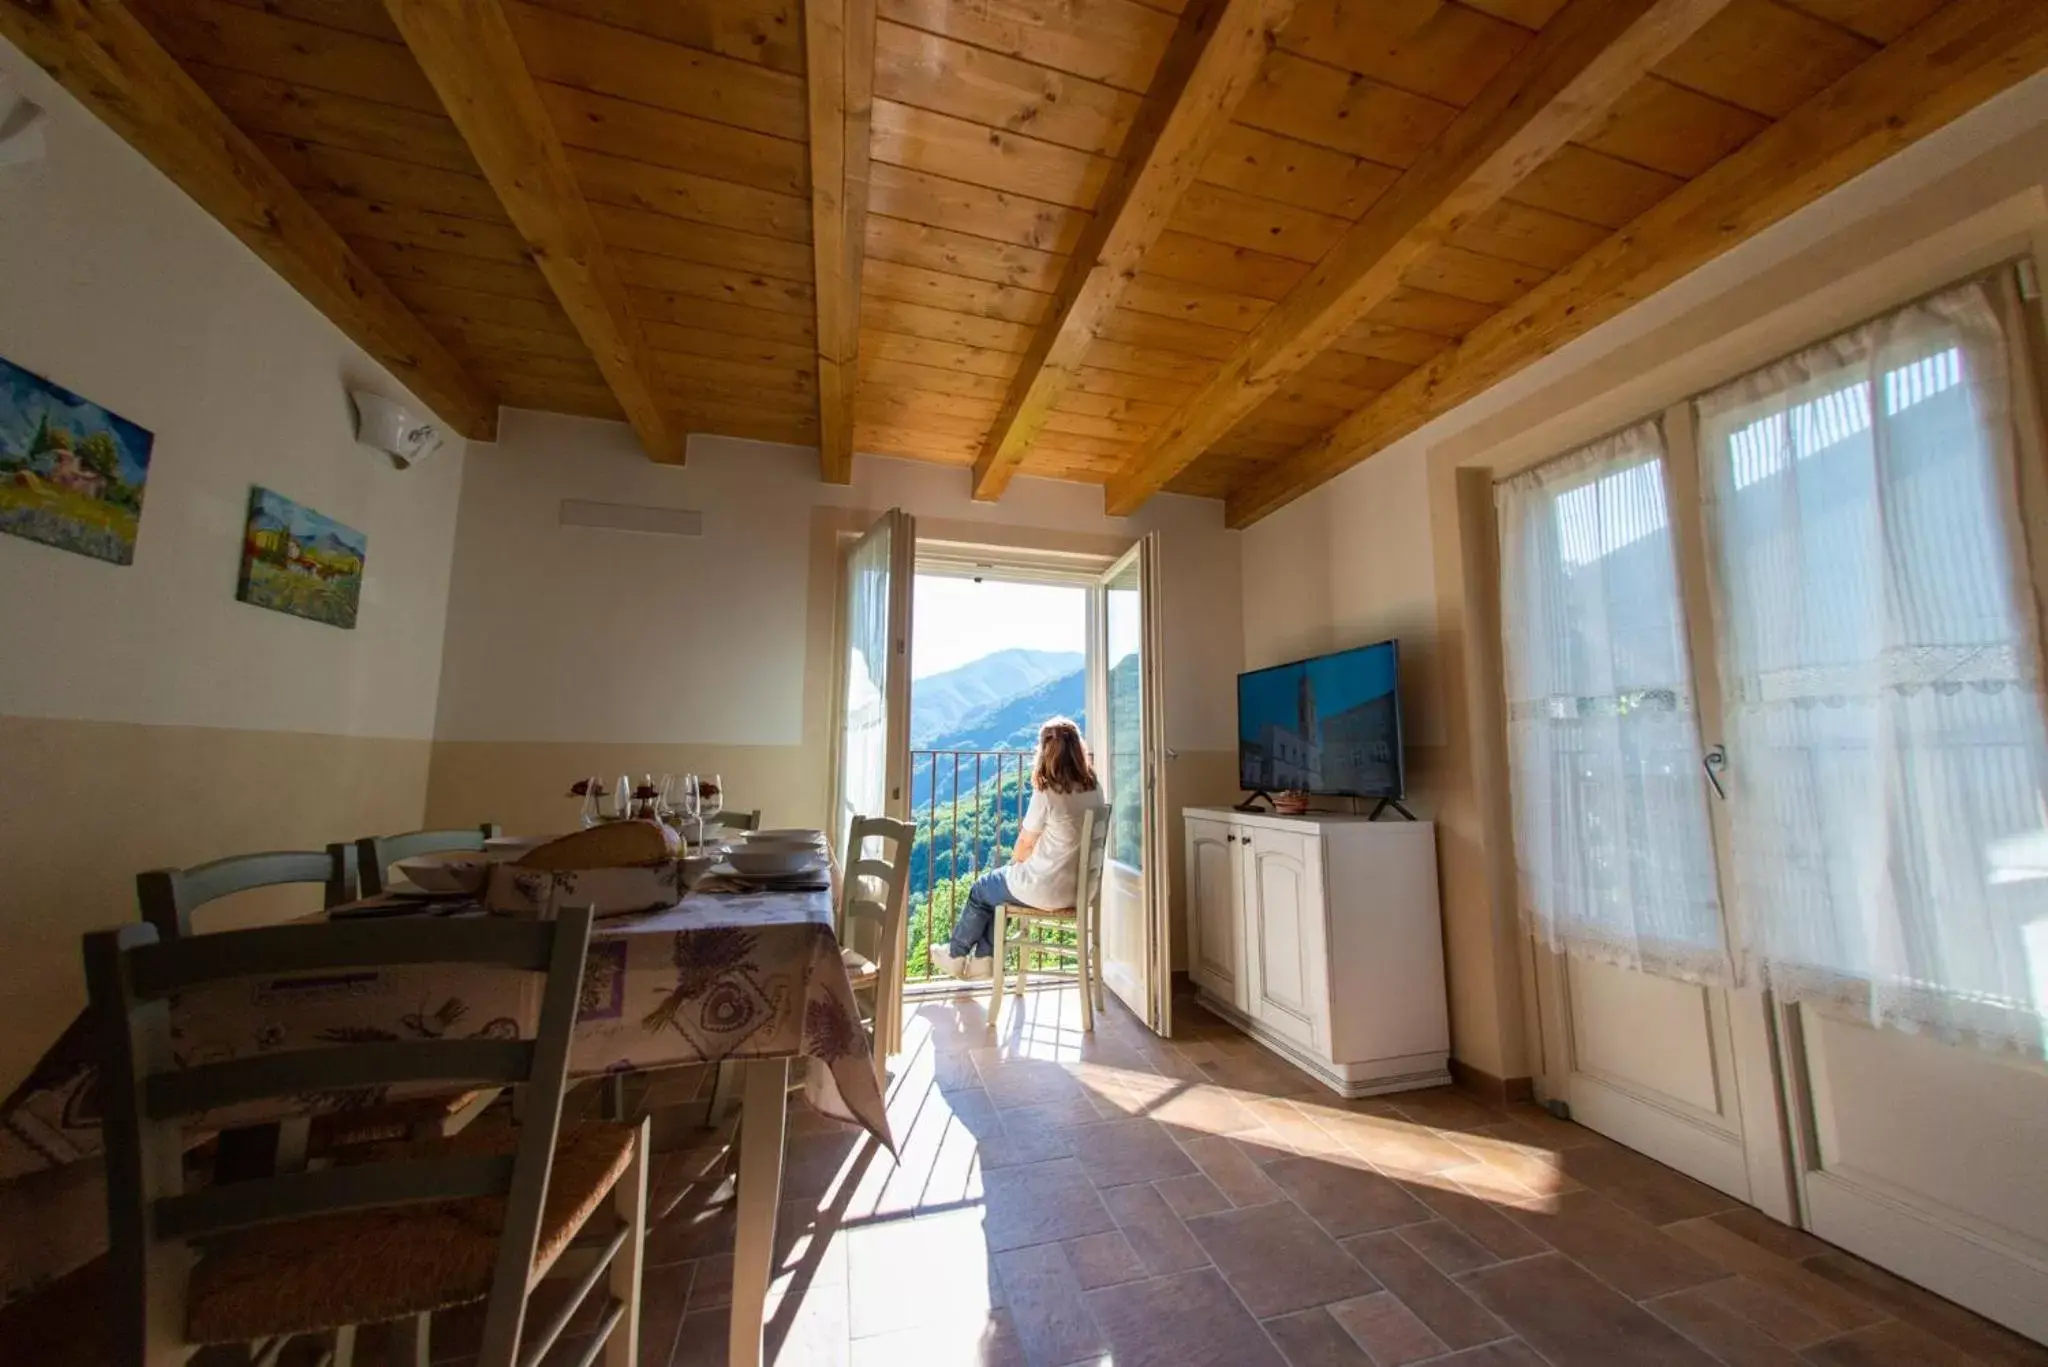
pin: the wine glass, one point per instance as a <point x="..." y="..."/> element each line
<point x="693" y="809"/>
<point x="592" y="788"/>
<point x="664" y="792"/>
<point x="713" y="800"/>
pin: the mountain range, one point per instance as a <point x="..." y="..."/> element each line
<point x="956" y="709"/>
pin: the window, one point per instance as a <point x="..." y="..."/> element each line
<point x="1876" y="649"/>
<point x="1875" y="625"/>
<point x="1611" y="836"/>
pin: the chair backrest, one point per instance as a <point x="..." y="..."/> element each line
<point x="1094" y="846"/>
<point x="154" y="1223"/>
<point x="377" y="853"/>
<point x="741" y="821"/>
<point x="874" y="890"/>
<point x="168" y="897"/>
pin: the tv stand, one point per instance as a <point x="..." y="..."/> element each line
<point x="1251" y="804"/>
<point x="1393" y="802"/>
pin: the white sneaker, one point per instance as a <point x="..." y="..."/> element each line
<point x="955" y="966"/>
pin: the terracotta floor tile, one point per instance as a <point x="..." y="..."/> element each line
<point x="1119" y="1152"/>
<point x="1277" y="1260"/>
<point x="1224" y="1163"/>
<point x="1447" y="1108"/>
<point x="1505" y="1353"/>
<point x="699" y="1224"/>
<point x="711" y="1286"/>
<point x="1945" y="1320"/>
<point x="1541" y="1171"/>
<point x="1766" y="1309"/>
<point x="906" y="1273"/>
<point x="1345" y="1198"/>
<point x="1893" y="1343"/>
<point x="1387" y="1328"/>
<point x="1259" y="1073"/>
<point x="1395" y="1146"/>
<point x="1188" y="1320"/>
<point x="1035" y="1134"/>
<point x="1772" y="1236"/>
<point x="1830" y="1304"/>
<point x="1437" y="1301"/>
<point x="1041" y="1203"/>
<point x="1029" y="1082"/>
<point x="1286" y="1131"/>
<point x="1161" y="1242"/>
<point x="811" y="1329"/>
<point x="1571" y="1319"/>
<point x="1104" y="1260"/>
<point x="1191" y="1195"/>
<point x="968" y="1341"/>
<point x="1641" y="1185"/>
<point x="1731" y="1337"/>
<point x="1449" y="1249"/>
<point x="663" y="1300"/>
<point x="1203" y="1108"/>
<point x="1311" y="1338"/>
<point x="1633" y="1257"/>
<point x="1043" y="1297"/>
<point x="1561" y="1134"/>
<point x="703" y="1341"/>
<point x="1485" y="1223"/>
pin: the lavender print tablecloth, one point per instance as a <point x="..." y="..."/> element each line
<point x="717" y="976"/>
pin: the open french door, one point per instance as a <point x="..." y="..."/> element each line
<point x="1127" y="722"/>
<point x="872" y="757"/>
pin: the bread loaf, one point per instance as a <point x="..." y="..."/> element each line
<point x="614" y="845"/>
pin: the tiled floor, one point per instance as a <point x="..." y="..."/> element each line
<point x="1063" y="1198"/>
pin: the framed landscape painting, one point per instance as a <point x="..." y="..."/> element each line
<point x="71" y="473"/>
<point x="296" y="560"/>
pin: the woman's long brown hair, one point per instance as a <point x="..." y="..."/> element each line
<point x="1063" y="764"/>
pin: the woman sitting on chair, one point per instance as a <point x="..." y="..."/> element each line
<point x="1044" y="869"/>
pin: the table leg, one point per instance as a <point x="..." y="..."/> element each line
<point x="763" y="1108"/>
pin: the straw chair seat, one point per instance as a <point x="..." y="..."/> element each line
<point x="859" y="967"/>
<point x="1017" y="911"/>
<point x="387" y="1264"/>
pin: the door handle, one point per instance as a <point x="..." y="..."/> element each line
<point x="1714" y="761"/>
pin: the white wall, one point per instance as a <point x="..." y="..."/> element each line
<point x="147" y="717"/>
<point x="573" y="634"/>
<point x="115" y="285"/>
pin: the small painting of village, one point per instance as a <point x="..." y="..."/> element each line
<point x="294" y="560"/>
<point x="71" y="473"/>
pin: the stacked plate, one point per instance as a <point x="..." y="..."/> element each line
<point x="778" y="854"/>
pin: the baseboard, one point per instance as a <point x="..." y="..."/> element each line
<point x="1488" y="1088"/>
<point x="1378" y="1078"/>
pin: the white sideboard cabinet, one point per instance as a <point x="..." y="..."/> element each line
<point x="1319" y="936"/>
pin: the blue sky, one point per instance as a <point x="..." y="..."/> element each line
<point x="275" y="510"/>
<point x="957" y="621"/>
<point x="25" y="398"/>
<point x="1341" y="681"/>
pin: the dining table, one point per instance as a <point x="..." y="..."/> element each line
<point x="733" y="973"/>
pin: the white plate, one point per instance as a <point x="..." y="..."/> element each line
<point x="753" y="863"/>
<point x="789" y="833"/>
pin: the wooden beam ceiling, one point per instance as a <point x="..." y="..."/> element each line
<point x="470" y="57"/>
<point x="1208" y="68"/>
<point x="1951" y="62"/>
<point x="100" y="53"/>
<point x="1586" y="58"/>
<point x="839" y="56"/>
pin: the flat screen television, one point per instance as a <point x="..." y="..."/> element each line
<point x="1329" y="725"/>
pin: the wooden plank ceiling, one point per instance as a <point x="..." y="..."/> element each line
<point x="1291" y="214"/>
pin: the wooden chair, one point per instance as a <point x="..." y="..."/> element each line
<point x="168" y="897"/>
<point x="387" y="1241"/>
<point x="874" y="901"/>
<point x="377" y="853"/>
<point x="1083" y="918"/>
<point x="741" y="821"/>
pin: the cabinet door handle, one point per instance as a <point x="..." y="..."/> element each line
<point x="1230" y="839"/>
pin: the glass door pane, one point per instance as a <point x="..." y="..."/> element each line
<point x="1127" y="754"/>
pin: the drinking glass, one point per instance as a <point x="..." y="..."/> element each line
<point x="693" y="809"/>
<point x="715" y="803"/>
<point x="664" y="793"/>
<point x="590" y="815"/>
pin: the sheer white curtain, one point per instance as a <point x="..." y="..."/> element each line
<point x="1611" y="837"/>
<point x="864" y="742"/>
<point x="1877" y="632"/>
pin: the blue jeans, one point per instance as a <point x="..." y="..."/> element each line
<point x="974" y="932"/>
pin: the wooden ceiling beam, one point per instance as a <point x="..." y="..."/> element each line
<point x="101" y="53"/>
<point x="1953" y="61"/>
<point x="839" y="57"/>
<point x="1588" y="56"/>
<point x="1208" y="67"/>
<point x="470" y="57"/>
